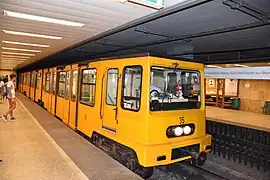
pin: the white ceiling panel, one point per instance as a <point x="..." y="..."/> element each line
<point x="97" y="15"/>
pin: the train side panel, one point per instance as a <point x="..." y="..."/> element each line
<point x="103" y="119"/>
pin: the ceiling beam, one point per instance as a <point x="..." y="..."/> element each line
<point x="225" y="51"/>
<point x="230" y="61"/>
<point x="246" y="8"/>
<point x="191" y="36"/>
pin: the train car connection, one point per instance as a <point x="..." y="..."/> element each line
<point x="144" y="111"/>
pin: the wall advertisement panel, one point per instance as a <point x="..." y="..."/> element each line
<point x="238" y="73"/>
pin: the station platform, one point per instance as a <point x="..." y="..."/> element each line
<point x="39" y="146"/>
<point x="239" y="118"/>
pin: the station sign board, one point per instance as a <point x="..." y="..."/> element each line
<point x="156" y="4"/>
<point x="238" y="73"/>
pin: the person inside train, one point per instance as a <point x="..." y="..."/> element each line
<point x="11" y="98"/>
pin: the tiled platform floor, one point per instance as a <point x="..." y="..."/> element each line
<point x="39" y="147"/>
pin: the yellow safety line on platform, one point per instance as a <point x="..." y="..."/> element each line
<point x="57" y="147"/>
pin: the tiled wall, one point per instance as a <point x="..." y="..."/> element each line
<point x="253" y="94"/>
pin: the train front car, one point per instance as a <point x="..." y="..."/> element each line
<point x="176" y="119"/>
<point x="175" y="115"/>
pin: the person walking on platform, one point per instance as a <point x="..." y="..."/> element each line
<point x="11" y="98"/>
<point x="2" y="91"/>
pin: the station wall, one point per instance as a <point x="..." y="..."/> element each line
<point x="253" y="94"/>
<point x="6" y="72"/>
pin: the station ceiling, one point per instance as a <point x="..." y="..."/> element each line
<point x="95" y="17"/>
<point x="210" y="32"/>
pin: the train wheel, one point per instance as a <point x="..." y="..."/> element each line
<point x="145" y="172"/>
<point x="122" y="154"/>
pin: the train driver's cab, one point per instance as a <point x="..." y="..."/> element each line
<point x="174" y="89"/>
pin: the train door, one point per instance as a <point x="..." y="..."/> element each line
<point x="22" y="83"/>
<point x="34" y="86"/>
<point x="31" y="85"/>
<point x="21" y="88"/>
<point x="38" y="86"/>
<point x="66" y="100"/>
<point x="109" y="100"/>
<point x="19" y="83"/>
<point x="73" y="97"/>
<point x="88" y="105"/>
<point x="53" y="91"/>
<point x="46" y="92"/>
<point x="62" y="98"/>
<point x="61" y="81"/>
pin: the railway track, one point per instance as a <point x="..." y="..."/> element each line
<point x="187" y="171"/>
<point x="184" y="171"/>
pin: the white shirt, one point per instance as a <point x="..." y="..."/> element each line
<point x="10" y="89"/>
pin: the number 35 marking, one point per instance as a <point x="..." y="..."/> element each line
<point x="182" y="120"/>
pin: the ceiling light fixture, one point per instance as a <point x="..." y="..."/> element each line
<point x="15" y="62"/>
<point x="213" y="66"/>
<point x="240" y="65"/>
<point x="10" y="56"/>
<point x="31" y="34"/>
<point x="18" y="49"/>
<point x="13" y="59"/>
<point x="24" y="54"/>
<point x="42" y="19"/>
<point x="25" y="44"/>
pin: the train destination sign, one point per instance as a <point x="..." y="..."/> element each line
<point x="238" y="73"/>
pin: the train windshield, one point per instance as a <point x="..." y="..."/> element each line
<point x="174" y="89"/>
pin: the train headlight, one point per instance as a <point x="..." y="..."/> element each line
<point x="178" y="131"/>
<point x="187" y="130"/>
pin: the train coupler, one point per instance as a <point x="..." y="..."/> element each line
<point x="199" y="158"/>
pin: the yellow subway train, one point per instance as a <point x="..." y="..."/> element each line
<point x="144" y="111"/>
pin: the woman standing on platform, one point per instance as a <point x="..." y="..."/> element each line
<point x="11" y="98"/>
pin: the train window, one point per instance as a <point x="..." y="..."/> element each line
<point x="74" y="85"/>
<point x="112" y="84"/>
<point x="62" y="83"/>
<point x="131" y="89"/>
<point x="47" y="82"/>
<point x="88" y="86"/>
<point x="53" y="82"/>
<point x="67" y="85"/>
<point x="174" y="89"/>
